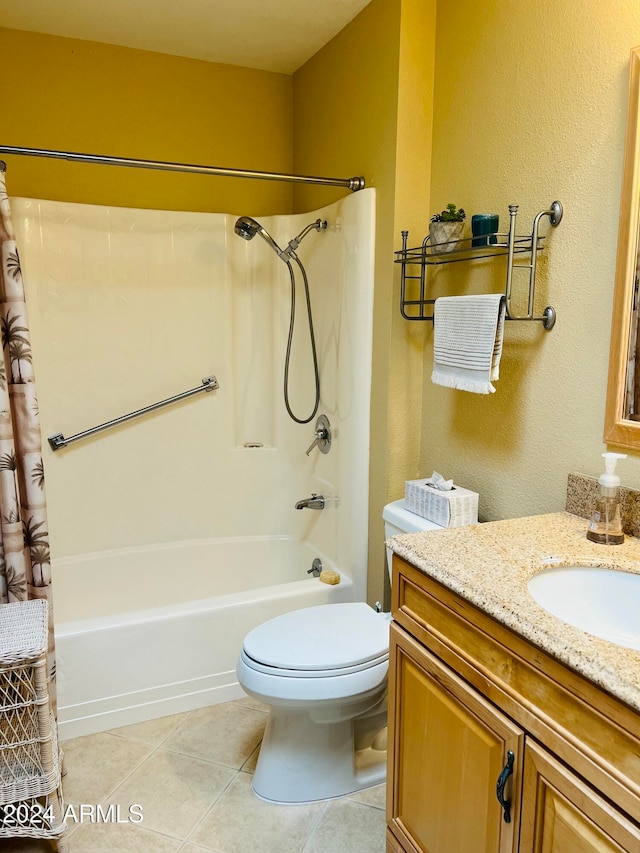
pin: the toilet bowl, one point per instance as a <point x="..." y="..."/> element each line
<point x="323" y="672"/>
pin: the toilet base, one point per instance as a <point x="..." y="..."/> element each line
<point x="302" y="761"/>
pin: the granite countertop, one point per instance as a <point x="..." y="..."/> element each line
<point x="490" y="564"/>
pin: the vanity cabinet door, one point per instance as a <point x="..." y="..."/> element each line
<point x="562" y="813"/>
<point x="447" y="749"/>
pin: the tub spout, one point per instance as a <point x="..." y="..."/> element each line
<point x="314" y="502"/>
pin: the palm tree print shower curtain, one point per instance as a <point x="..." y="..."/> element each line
<point x="25" y="570"/>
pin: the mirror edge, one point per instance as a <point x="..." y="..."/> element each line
<point x="617" y="429"/>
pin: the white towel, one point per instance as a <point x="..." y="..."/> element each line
<point x="467" y="341"/>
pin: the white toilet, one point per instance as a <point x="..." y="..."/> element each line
<point x="323" y="671"/>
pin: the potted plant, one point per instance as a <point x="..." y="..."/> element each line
<point x="446" y="229"/>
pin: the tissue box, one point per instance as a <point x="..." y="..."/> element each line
<point x="452" y="508"/>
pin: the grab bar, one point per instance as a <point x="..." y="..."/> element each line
<point x="209" y="383"/>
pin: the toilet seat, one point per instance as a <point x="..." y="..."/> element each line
<point x="316" y="673"/>
<point x="328" y="640"/>
<point x="296" y="690"/>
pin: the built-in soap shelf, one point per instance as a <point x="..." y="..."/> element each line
<point x="414" y="263"/>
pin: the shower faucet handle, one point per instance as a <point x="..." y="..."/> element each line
<point x="322" y="435"/>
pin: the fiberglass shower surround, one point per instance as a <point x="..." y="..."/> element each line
<point x="180" y="293"/>
<point x="247" y="228"/>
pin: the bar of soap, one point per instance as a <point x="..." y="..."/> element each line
<point x="329" y="576"/>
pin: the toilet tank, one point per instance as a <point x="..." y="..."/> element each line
<point x="398" y="519"/>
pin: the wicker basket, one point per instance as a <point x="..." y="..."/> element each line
<point x="31" y="802"/>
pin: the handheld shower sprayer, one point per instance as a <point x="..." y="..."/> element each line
<point x="247" y="228"/>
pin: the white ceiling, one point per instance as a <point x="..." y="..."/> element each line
<point x="273" y="35"/>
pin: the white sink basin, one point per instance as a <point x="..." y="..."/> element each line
<point x="602" y="602"/>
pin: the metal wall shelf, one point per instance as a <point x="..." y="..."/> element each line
<point x="414" y="263"/>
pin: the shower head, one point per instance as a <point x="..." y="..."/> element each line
<point x="247" y="228"/>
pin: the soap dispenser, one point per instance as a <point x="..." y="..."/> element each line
<point x="605" y="526"/>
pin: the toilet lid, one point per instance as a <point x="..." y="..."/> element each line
<point x="326" y="637"/>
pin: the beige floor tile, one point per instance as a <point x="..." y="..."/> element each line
<point x="348" y="827"/>
<point x="375" y="796"/>
<point x="177" y="783"/>
<point x="121" y="838"/>
<point x="239" y="822"/>
<point x="250" y="764"/>
<point x="226" y="734"/>
<point x="248" y="702"/>
<point x="96" y="764"/>
<point x="174" y="791"/>
<point x="151" y="731"/>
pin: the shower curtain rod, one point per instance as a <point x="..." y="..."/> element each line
<point x="350" y="183"/>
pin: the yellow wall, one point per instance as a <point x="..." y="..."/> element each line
<point x="73" y="95"/>
<point x="411" y="212"/>
<point x="529" y="106"/>
<point x="362" y="105"/>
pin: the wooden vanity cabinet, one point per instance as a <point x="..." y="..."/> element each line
<point x="464" y="693"/>
<point x="450" y="747"/>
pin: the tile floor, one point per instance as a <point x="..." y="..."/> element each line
<point x="191" y="773"/>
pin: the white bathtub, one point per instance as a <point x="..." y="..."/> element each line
<point x="146" y="632"/>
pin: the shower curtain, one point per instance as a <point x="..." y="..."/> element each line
<point x="25" y="570"/>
